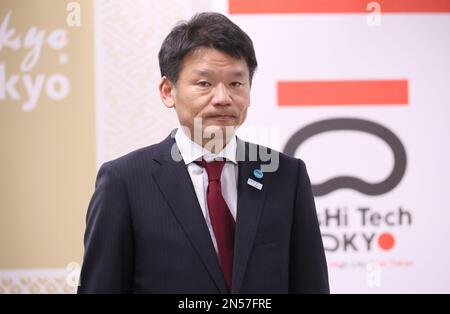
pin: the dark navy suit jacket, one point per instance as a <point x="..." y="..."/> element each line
<point x="146" y="232"/>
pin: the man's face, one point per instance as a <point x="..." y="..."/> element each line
<point x="212" y="86"/>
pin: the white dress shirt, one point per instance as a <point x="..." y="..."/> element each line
<point x="191" y="151"/>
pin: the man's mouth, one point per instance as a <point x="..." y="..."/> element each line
<point x="220" y="116"/>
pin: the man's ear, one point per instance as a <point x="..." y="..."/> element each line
<point x="167" y="92"/>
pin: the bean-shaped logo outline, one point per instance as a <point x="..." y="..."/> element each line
<point x="343" y="182"/>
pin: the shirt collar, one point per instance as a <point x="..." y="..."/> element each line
<point x="191" y="151"/>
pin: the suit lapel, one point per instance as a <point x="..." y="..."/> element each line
<point x="176" y="185"/>
<point x="249" y="208"/>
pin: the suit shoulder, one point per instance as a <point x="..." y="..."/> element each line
<point x="139" y="159"/>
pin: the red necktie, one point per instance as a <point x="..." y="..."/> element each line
<point x="222" y="221"/>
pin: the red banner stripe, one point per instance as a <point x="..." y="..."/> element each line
<point x="335" y="6"/>
<point x="329" y="93"/>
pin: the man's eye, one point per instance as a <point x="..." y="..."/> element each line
<point x="236" y="84"/>
<point x="203" y="84"/>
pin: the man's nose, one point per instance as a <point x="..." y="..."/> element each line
<point x="221" y="97"/>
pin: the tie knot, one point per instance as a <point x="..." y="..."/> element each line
<point x="213" y="169"/>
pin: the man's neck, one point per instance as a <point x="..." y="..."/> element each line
<point x="215" y="146"/>
<point x="210" y="143"/>
<point x="191" y="150"/>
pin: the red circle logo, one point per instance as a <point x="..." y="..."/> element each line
<point x="386" y="241"/>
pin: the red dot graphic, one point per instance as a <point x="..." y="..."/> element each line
<point x="386" y="241"/>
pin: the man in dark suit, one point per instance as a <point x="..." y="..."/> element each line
<point x="203" y="211"/>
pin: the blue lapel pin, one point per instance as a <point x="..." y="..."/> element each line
<point x="258" y="173"/>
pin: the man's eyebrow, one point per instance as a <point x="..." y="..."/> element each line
<point x="238" y="73"/>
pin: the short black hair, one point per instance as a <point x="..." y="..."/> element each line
<point x="209" y="30"/>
